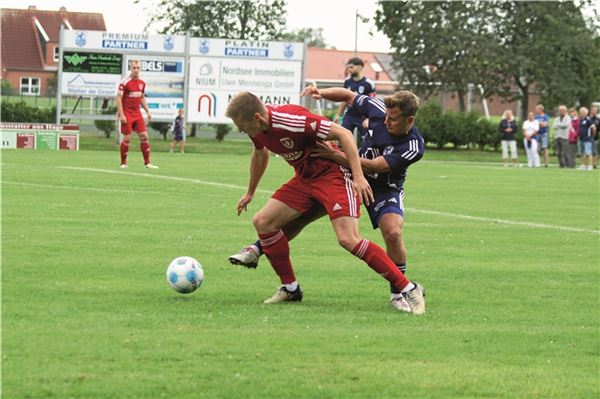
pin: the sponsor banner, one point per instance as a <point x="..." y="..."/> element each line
<point x="68" y="142"/>
<point x="164" y="77"/>
<point x="251" y="75"/>
<point x="208" y="106"/>
<point x="38" y="126"/>
<point x="89" y="84"/>
<point x="9" y="139"/>
<point x="80" y="62"/>
<point x="26" y="140"/>
<point x="122" y="42"/>
<point x="251" y="49"/>
<point x="46" y="140"/>
<point x="39" y="136"/>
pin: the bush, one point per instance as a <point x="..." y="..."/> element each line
<point x="161" y="127"/>
<point x="459" y="129"/>
<point x="107" y="126"/>
<point x="222" y="130"/>
<point x="21" y="112"/>
<point x="7" y="89"/>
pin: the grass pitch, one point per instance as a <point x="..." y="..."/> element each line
<point x="509" y="258"/>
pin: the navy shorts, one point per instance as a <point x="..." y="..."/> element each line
<point x="385" y="202"/>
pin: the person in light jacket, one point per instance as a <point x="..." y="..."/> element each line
<point x="562" y="125"/>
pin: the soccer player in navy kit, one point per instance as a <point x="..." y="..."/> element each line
<point x="359" y="84"/>
<point x="391" y="145"/>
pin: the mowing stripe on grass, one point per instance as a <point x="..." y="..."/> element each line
<point x="437" y="213"/>
<point x="109" y="190"/>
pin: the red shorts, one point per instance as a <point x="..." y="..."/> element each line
<point x="333" y="190"/>
<point x="134" y="123"/>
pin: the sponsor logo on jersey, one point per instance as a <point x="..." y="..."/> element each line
<point x="393" y="200"/>
<point x="388" y="150"/>
<point x="313" y="125"/>
<point x="287" y="142"/>
<point x="135" y="94"/>
<point x="379" y="205"/>
<point x="291" y="156"/>
<point x="336" y="207"/>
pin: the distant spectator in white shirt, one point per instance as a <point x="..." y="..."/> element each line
<point x="531" y="127"/>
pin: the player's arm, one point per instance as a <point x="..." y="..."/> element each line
<point x="336" y="94"/>
<point x="360" y="187"/>
<point x="119" y="101"/>
<point x="145" y="106"/>
<point x="258" y="164"/>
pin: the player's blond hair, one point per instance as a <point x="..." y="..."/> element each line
<point x="405" y="100"/>
<point x="133" y="62"/>
<point x="243" y="106"/>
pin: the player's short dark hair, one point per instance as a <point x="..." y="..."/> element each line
<point x="405" y="100"/>
<point x="355" y="61"/>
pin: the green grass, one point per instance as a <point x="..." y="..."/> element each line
<point x="87" y="313"/>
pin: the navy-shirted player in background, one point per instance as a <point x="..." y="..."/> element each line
<point x="391" y="144"/>
<point x="358" y="84"/>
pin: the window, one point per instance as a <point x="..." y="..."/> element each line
<point x="30" y="86"/>
<point x="56" y="53"/>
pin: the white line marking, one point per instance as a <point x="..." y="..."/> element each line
<point x="110" y="190"/>
<point x="445" y="214"/>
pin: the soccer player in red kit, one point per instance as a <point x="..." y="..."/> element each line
<point x="129" y="98"/>
<point x="293" y="132"/>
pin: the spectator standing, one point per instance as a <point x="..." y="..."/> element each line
<point x="562" y="126"/>
<point x="531" y="128"/>
<point x="596" y="120"/>
<point x="508" y="129"/>
<point x="587" y="131"/>
<point x="574" y="132"/>
<point x="543" y="135"/>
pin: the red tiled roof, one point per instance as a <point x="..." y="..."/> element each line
<point x="20" y="42"/>
<point x="327" y="64"/>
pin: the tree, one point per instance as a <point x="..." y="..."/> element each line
<point x="235" y="19"/>
<point x="551" y="46"/>
<point x="440" y="43"/>
<point x="313" y="37"/>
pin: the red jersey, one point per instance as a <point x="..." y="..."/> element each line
<point x="132" y="91"/>
<point x="293" y="133"/>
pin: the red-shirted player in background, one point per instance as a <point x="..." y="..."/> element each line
<point x="293" y="132"/>
<point x="129" y="98"/>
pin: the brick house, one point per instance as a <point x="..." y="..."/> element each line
<point x="30" y="44"/>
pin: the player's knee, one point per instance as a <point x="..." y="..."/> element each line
<point x="392" y="234"/>
<point x="348" y="243"/>
<point x="262" y="223"/>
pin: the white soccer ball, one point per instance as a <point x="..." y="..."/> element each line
<point x="185" y="274"/>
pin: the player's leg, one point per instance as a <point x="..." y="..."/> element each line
<point x="346" y="230"/>
<point x="286" y="204"/>
<point x="173" y="146"/>
<point x="139" y="126"/>
<point x="125" y="130"/>
<point x="249" y="255"/>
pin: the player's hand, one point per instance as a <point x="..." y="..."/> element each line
<point x="362" y="188"/>
<point x="123" y="118"/>
<point x="365" y="123"/>
<point x="243" y="203"/>
<point x="311" y="91"/>
<point x="149" y="115"/>
<point x="336" y="119"/>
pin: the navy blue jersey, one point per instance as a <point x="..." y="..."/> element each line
<point x="363" y="86"/>
<point x="399" y="151"/>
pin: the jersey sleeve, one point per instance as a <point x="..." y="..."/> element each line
<point x="405" y="154"/>
<point x="370" y="88"/>
<point x="369" y="107"/>
<point x="299" y="120"/>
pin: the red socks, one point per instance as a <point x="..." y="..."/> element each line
<point x="275" y="246"/>
<point x="379" y="261"/>
<point x="145" y="147"/>
<point x="124" y="151"/>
